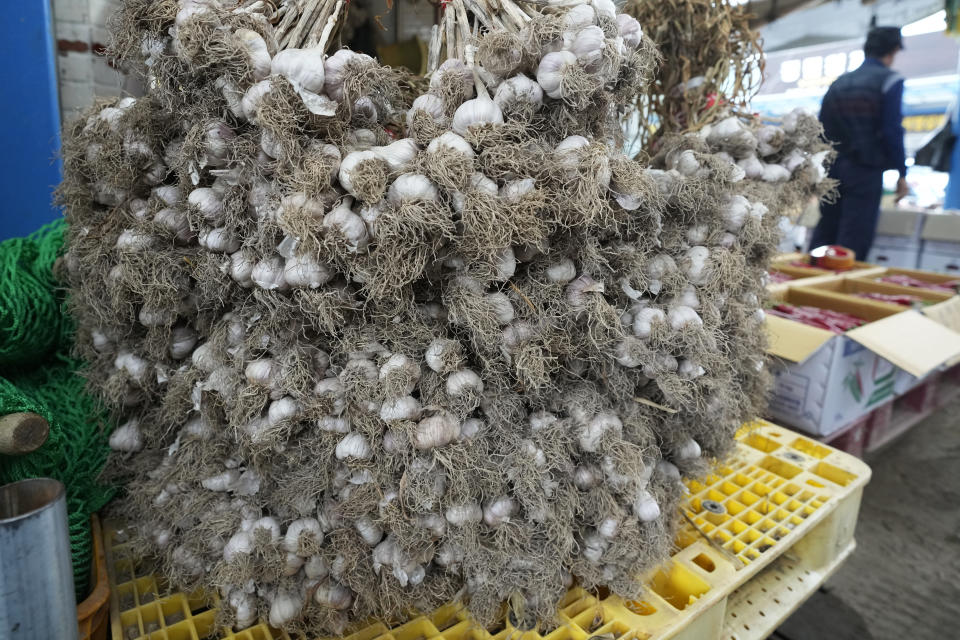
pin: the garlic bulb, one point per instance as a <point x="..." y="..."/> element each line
<point x="429" y="104"/>
<point x="630" y="30"/>
<point x="412" y="186"/>
<point x="514" y="190"/>
<point x="499" y="510"/>
<point x="207" y="202"/>
<point x="645" y="507"/>
<point x="219" y="240"/>
<point x="285" y="607"/>
<point x="127" y="437"/>
<point x="462" y="382"/>
<point x="398" y="155"/>
<point x="644" y="320"/>
<point x="506" y="264"/>
<point x="479" y="111"/>
<point x="335" y="67"/>
<point x="240" y="543"/>
<point x="594" y="430"/>
<point x="689" y="450"/>
<point x="451" y="142"/>
<point x="698" y="271"/>
<point x="334" y="388"/>
<point x="436" y="431"/>
<point x="402" y="408"/>
<point x="368" y="530"/>
<point x="470" y="429"/>
<point x="579" y="291"/>
<point x="333" y="594"/>
<point x="518" y="89"/>
<point x="588" y="45"/>
<point x="562" y="272"/>
<point x="347" y="225"/>
<point x="250" y="103"/>
<point x="457" y="74"/>
<point x="225" y="481"/>
<point x="244" y="608"/>
<point x="174" y="221"/>
<point x="443" y="355"/>
<point x="257" y="53"/>
<point x="302" y="271"/>
<point x="182" y="341"/>
<point x="282" y="409"/>
<point x="462" y="515"/>
<point x="681" y="317"/>
<point x="268" y="274"/>
<point x="501" y="306"/>
<point x="302" y="67"/>
<point x="353" y="445"/>
<point x="551" y="70"/>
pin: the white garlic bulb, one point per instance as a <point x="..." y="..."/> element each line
<point x="398" y="155"/>
<point x="302" y="67"/>
<point x="127" y="437"/>
<point x="341" y="220"/>
<point x="562" y="272"/>
<point x="430" y="104"/>
<point x="353" y="445"/>
<point x="479" y="111"/>
<point x="257" y="52"/>
<point x="268" y="274"/>
<point x="410" y="187"/>
<point x="518" y="88"/>
<point x="630" y="30"/>
<point x="502" y="307"/>
<point x="368" y="530"/>
<point x="462" y="382"/>
<point x="219" y="240"/>
<point x="462" y="515"/>
<point x="436" y="431"/>
<point x="285" y="607"/>
<point x="443" y="355"/>
<point x="499" y="510"/>
<point x="402" y="408"/>
<point x="452" y="142"/>
<point x="551" y="70"/>
<point x="588" y="45"/>
<point x="302" y="271"/>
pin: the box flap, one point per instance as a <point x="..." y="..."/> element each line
<point x="910" y="340"/>
<point x="794" y="341"/>
<point x="941" y="227"/>
<point x="946" y="313"/>
<point x="898" y="222"/>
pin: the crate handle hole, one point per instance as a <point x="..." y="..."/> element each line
<point x="705" y="562"/>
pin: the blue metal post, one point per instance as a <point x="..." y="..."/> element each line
<point x="952" y="199"/>
<point x="29" y="118"/>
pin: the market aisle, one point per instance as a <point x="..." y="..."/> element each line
<point x="904" y="579"/>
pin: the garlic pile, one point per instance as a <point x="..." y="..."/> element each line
<point x="361" y="373"/>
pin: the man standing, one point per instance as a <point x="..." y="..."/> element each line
<point x="861" y="114"/>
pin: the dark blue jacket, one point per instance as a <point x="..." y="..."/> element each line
<point x="862" y="114"/>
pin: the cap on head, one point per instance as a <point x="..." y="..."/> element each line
<point x="882" y="41"/>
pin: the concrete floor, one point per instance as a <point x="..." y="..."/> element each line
<point x="903" y="581"/>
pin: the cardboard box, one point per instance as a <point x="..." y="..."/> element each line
<point x="824" y="381"/>
<point x="918" y="274"/>
<point x="899" y="227"/>
<point x="946" y="263"/>
<point x="850" y="287"/>
<point x="888" y="255"/>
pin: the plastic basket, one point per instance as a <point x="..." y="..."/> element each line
<point x="778" y="491"/>
<point x="93" y="614"/>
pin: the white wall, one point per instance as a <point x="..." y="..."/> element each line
<point x="80" y="32"/>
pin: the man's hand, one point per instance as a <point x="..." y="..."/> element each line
<point x="902" y="189"/>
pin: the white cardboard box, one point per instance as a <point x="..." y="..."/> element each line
<point x="825" y="381"/>
<point x="886" y="255"/>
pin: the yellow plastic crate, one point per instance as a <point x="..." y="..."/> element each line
<point x="779" y="496"/>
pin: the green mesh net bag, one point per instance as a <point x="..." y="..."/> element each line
<point x="37" y="375"/>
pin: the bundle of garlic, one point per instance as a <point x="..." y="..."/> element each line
<point x="361" y="374"/>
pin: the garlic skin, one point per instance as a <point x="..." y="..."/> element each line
<point x="285" y="607"/>
<point x="443" y="355"/>
<point x="268" y="274"/>
<point x="368" y="530"/>
<point x="333" y="595"/>
<point x="630" y="30"/>
<point x="244" y="608"/>
<point x="219" y="240"/>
